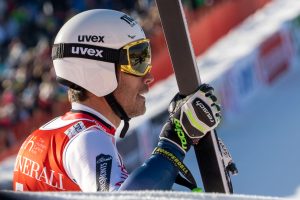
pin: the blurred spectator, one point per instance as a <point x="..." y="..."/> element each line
<point x="8" y="110"/>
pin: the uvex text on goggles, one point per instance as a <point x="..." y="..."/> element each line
<point x="134" y="58"/>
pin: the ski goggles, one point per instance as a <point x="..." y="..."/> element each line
<point x="136" y="58"/>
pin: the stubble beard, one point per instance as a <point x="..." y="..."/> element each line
<point x="136" y="110"/>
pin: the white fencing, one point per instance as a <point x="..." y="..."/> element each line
<point x="129" y="195"/>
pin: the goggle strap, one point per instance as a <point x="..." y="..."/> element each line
<point x="65" y="50"/>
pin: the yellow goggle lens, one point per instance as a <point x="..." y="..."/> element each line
<point x="139" y="58"/>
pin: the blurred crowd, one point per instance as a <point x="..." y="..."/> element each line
<point x="27" y="30"/>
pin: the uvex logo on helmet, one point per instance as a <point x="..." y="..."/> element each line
<point x="91" y="38"/>
<point x="87" y="51"/>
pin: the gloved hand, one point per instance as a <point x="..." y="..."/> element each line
<point x="191" y="117"/>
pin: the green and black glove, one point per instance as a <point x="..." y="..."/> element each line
<point x="191" y="117"/>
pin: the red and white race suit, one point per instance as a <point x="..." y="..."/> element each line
<point x="73" y="152"/>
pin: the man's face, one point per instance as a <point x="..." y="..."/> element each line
<point x="130" y="93"/>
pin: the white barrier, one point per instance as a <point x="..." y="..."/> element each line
<point x="132" y="195"/>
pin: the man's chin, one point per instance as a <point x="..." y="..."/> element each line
<point x="137" y="113"/>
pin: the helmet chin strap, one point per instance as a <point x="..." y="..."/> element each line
<point x="119" y="111"/>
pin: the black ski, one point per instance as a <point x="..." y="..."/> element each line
<point x="213" y="158"/>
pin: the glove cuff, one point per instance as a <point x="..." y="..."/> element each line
<point x="174" y="143"/>
<point x="189" y="180"/>
<point x="171" y="147"/>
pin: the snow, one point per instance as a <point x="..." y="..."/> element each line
<point x="264" y="140"/>
<point x="262" y="135"/>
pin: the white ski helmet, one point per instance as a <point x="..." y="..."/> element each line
<point x="107" y="29"/>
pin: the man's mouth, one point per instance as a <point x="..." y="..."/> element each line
<point x="143" y="93"/>
<point x="141" y="97"/>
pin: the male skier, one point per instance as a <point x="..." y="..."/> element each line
<point x="104" y="58"/>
